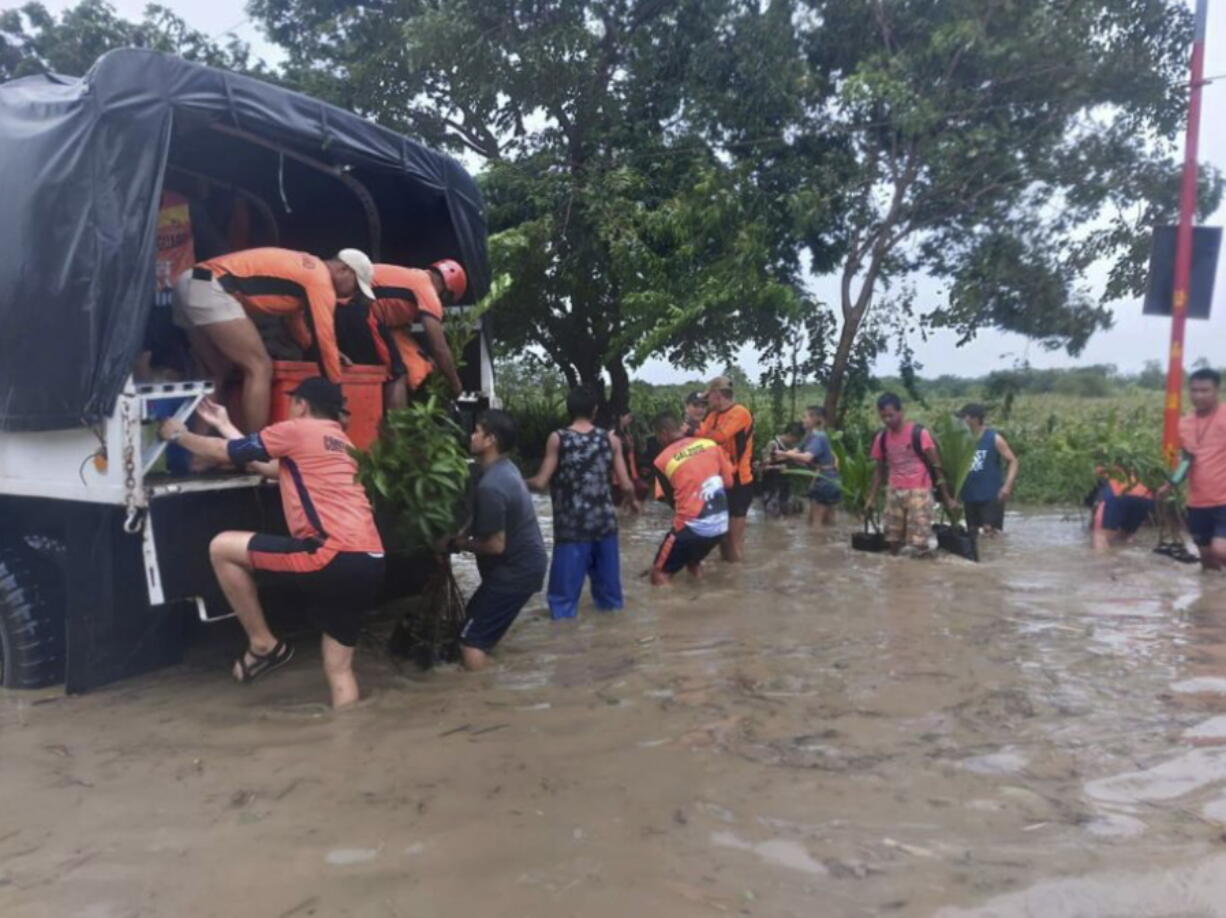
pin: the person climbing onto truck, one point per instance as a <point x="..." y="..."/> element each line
<point x="988" y="487"/>
<point x="216" y="300"/>
<point x="332" y="560"/>
<point x="693" y="475"/>
<point x="907" y="458"/>
<point x="405" y="296"/>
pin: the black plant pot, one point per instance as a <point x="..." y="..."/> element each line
<point x="868" y="541"/>
<point x="957" y="541"/>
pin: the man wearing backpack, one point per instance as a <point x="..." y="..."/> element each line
<point x="908" y="459"/>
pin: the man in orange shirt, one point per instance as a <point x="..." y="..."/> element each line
<point x="404" y="296"/>
<point x="1202" y="435"/>
<point x="693" y="475"/>
<point x="730" y="425"/>
<point x="332" y="558"/>
<point x="214" y="302"/>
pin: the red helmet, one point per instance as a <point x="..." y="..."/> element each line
<point x="454" y="278"/>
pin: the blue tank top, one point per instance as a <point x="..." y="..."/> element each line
<point x="986" y="477"/>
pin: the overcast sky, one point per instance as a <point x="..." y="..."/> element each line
<point x="1132" y="341"/>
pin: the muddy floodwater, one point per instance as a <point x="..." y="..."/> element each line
<point x="814" y="733"/>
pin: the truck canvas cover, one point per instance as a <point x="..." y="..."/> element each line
<point x="82" y="164"/>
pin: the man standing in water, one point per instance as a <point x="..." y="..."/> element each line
<point x="816" y="453"/>
<point x="730" y="426"/>
<point x="579" y="461"/>
<point x="505" y="537"/>
<point x="693" y="475"/>
<point x="1202" y="435"/>
<point x="907" y="458"/>
<point x="333" y="557"/>
<point x="988" y="487"/>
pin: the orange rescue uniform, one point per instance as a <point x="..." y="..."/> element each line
<point x="732" y="429"/>
<point x="294" y="286"/>
<point x="402" y="296"/>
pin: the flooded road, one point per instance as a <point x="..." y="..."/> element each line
<point x="814" y="733"/>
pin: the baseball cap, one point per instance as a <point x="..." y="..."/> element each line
<point x="323" y="396"/>
<point x="973" y="410"/>
<point x="719" y="382"/>
<point x="697" y="397"/>
<point x="359" y="262"/>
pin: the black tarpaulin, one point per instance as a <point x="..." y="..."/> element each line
<point x="82" y="164"/>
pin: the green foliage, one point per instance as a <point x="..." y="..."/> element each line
<point x="856" y="468"/>
<point x="34" y="41"/>
<point x="417" y="474"/>
<point x="957" y="448"/>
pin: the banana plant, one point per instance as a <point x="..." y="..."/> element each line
<point x="957" y="447"/>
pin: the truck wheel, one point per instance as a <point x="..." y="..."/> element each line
<point x="32" y="604"/>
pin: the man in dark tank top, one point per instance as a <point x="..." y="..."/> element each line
<point x="993" y="473"/>
<point x="581" y="462"/>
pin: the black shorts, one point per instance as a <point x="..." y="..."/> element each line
<point x="980" y="513"/>
<point x="1206" y="524"/>
<point x="491" y="612"/>
<point x="740" y="499"/>
<point x="683" y="547"/>
<point x="336" y="591"/>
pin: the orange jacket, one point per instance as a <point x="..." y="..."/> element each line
<point x="732" y="429"/>
<point x="293" y="285"/>
<point x="402" y="296"/>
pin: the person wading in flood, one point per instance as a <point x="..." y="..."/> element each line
<point x="816" y="453"/>
<point x="1202" y="436"/>
<point x="988" y="487"/>
<point x="505" y="537"/>
<point x="730" y="425"/>
<point x="693" y="476"/>
<point x="579" y="461"/>
<point x="332" y="559"/>
<point x="907" y="458"/>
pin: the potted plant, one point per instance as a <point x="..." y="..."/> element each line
<point x="956" y="447"/>
<point x="417" y="476"/>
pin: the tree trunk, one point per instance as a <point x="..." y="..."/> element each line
<point x="838" y="369"/>
<point x="619" y="394"/>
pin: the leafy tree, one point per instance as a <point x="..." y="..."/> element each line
<point x="34" y="41"/>
<point x="1004" y="147"/>
<point x="626" y="231"/>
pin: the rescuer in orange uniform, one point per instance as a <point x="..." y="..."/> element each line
<point x="214" y="302"/>
<point x="730" y="424"/>
<point x="404" y="296"/>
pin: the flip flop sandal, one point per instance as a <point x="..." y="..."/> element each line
<point x="1181" y="554"/>
<point x="264" y="663"/>
<point x="1166" y="548"/>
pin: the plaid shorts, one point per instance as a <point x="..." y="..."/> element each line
<point x="908" y="517"/>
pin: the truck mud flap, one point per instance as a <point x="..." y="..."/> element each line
<point x="112" y="632"/>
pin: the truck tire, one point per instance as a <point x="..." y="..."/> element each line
<point x="32" y="605"/>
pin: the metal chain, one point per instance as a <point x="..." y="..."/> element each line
<point x="133" y="519"/>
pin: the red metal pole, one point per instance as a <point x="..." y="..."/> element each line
<point x="1183" y="240"/>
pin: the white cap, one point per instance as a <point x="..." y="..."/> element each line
<point x="359" y="262"/>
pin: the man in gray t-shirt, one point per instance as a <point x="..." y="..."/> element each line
<point x="506" y="538"/>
